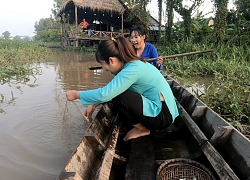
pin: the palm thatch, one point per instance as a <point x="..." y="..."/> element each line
<point x="100" y="5"/>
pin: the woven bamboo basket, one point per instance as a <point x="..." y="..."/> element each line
<point x="180" y="169"/>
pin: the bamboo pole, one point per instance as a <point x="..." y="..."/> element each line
<point x="165" y="57"/>
<point x="180" y="55"/>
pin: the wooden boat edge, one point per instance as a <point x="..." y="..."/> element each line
<point x="234" y="145"/>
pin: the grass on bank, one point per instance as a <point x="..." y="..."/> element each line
<point x="229" y="67"/>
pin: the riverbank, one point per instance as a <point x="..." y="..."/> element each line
<point x="229" y="70"/>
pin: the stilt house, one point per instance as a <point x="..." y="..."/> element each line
<point x="106" y="19"/>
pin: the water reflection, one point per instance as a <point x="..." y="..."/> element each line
<point x="196" y="85"/>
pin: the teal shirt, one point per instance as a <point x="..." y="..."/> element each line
<point x="141" y="78"/>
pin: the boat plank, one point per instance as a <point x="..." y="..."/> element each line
<point x="87" y="157"/>
<point x="198" y="112"/>
<point x="107" y="160"/>
<point x="141" y="164"/>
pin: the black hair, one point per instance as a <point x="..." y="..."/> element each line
<point x="119" y="47"/>
<point x="139" y="29"/>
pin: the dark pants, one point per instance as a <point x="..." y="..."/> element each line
<point x="130" y="110"/>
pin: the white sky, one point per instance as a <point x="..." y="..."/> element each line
<point x="206" y="8"/>
<point x="19" y="16"/>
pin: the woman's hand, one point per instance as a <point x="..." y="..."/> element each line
<point x="159" y="61"/>
<point x="90" y="109"/>
<point x="72" y="95"/>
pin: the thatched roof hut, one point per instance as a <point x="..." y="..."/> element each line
<point x="106" y="18"/>
<point x="108" y="12"/>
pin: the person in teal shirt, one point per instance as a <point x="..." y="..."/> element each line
<point x="140" y="94"/>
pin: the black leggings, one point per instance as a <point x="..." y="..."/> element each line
<point x="130" y="110"/>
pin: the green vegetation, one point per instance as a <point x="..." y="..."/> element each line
<point x="48" y="30"/>
<point x="20" y="59"/>
<point x="229" y="69"/>
<point x="228" y="66"/>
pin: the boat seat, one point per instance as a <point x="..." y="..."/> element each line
<point x="221" y="135"/>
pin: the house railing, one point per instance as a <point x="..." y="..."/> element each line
<point x="97" y="34"/>
<point x="72" y="38"/>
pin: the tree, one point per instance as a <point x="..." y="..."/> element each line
<point x="26" y="38"/>
<point x="138" y="9"/>
<point x="17" y="37"/>
<point x="47" y="30"/>
<point x="186" y="13"/>
<point x="160" y="17"/>
<point x="170" y="19"/>
<point x="47" y="23"/>
<point x="6" y="35"/>
<point x="48" y="35"/>
<point x="220" y="19"/>
<point x="56" y="6"/>
<point x="243" y="8"/>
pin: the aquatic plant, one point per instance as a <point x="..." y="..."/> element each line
<point x="20" y="59"/>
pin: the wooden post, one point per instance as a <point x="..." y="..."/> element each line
<point x="122" y="23"/>
<point x="64" y="23"/>
<point x="76" y="20"/>
<point x="61" y="25"/>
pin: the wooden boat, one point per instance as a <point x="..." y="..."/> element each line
<point x="198" y="142"/>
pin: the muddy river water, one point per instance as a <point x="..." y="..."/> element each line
<point x="39" y="129"/>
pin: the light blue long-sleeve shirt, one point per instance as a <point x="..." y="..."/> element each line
<point x="141" y="78"/>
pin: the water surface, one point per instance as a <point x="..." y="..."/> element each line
<point x="39" y="131"/>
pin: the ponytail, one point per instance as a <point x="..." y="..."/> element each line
<point x="119" y="47"/>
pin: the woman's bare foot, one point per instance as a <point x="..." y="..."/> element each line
<point x="138" y="131"/>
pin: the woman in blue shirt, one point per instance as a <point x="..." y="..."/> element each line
<point x="142" y="48"/>
<point x="143" y="99"/>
